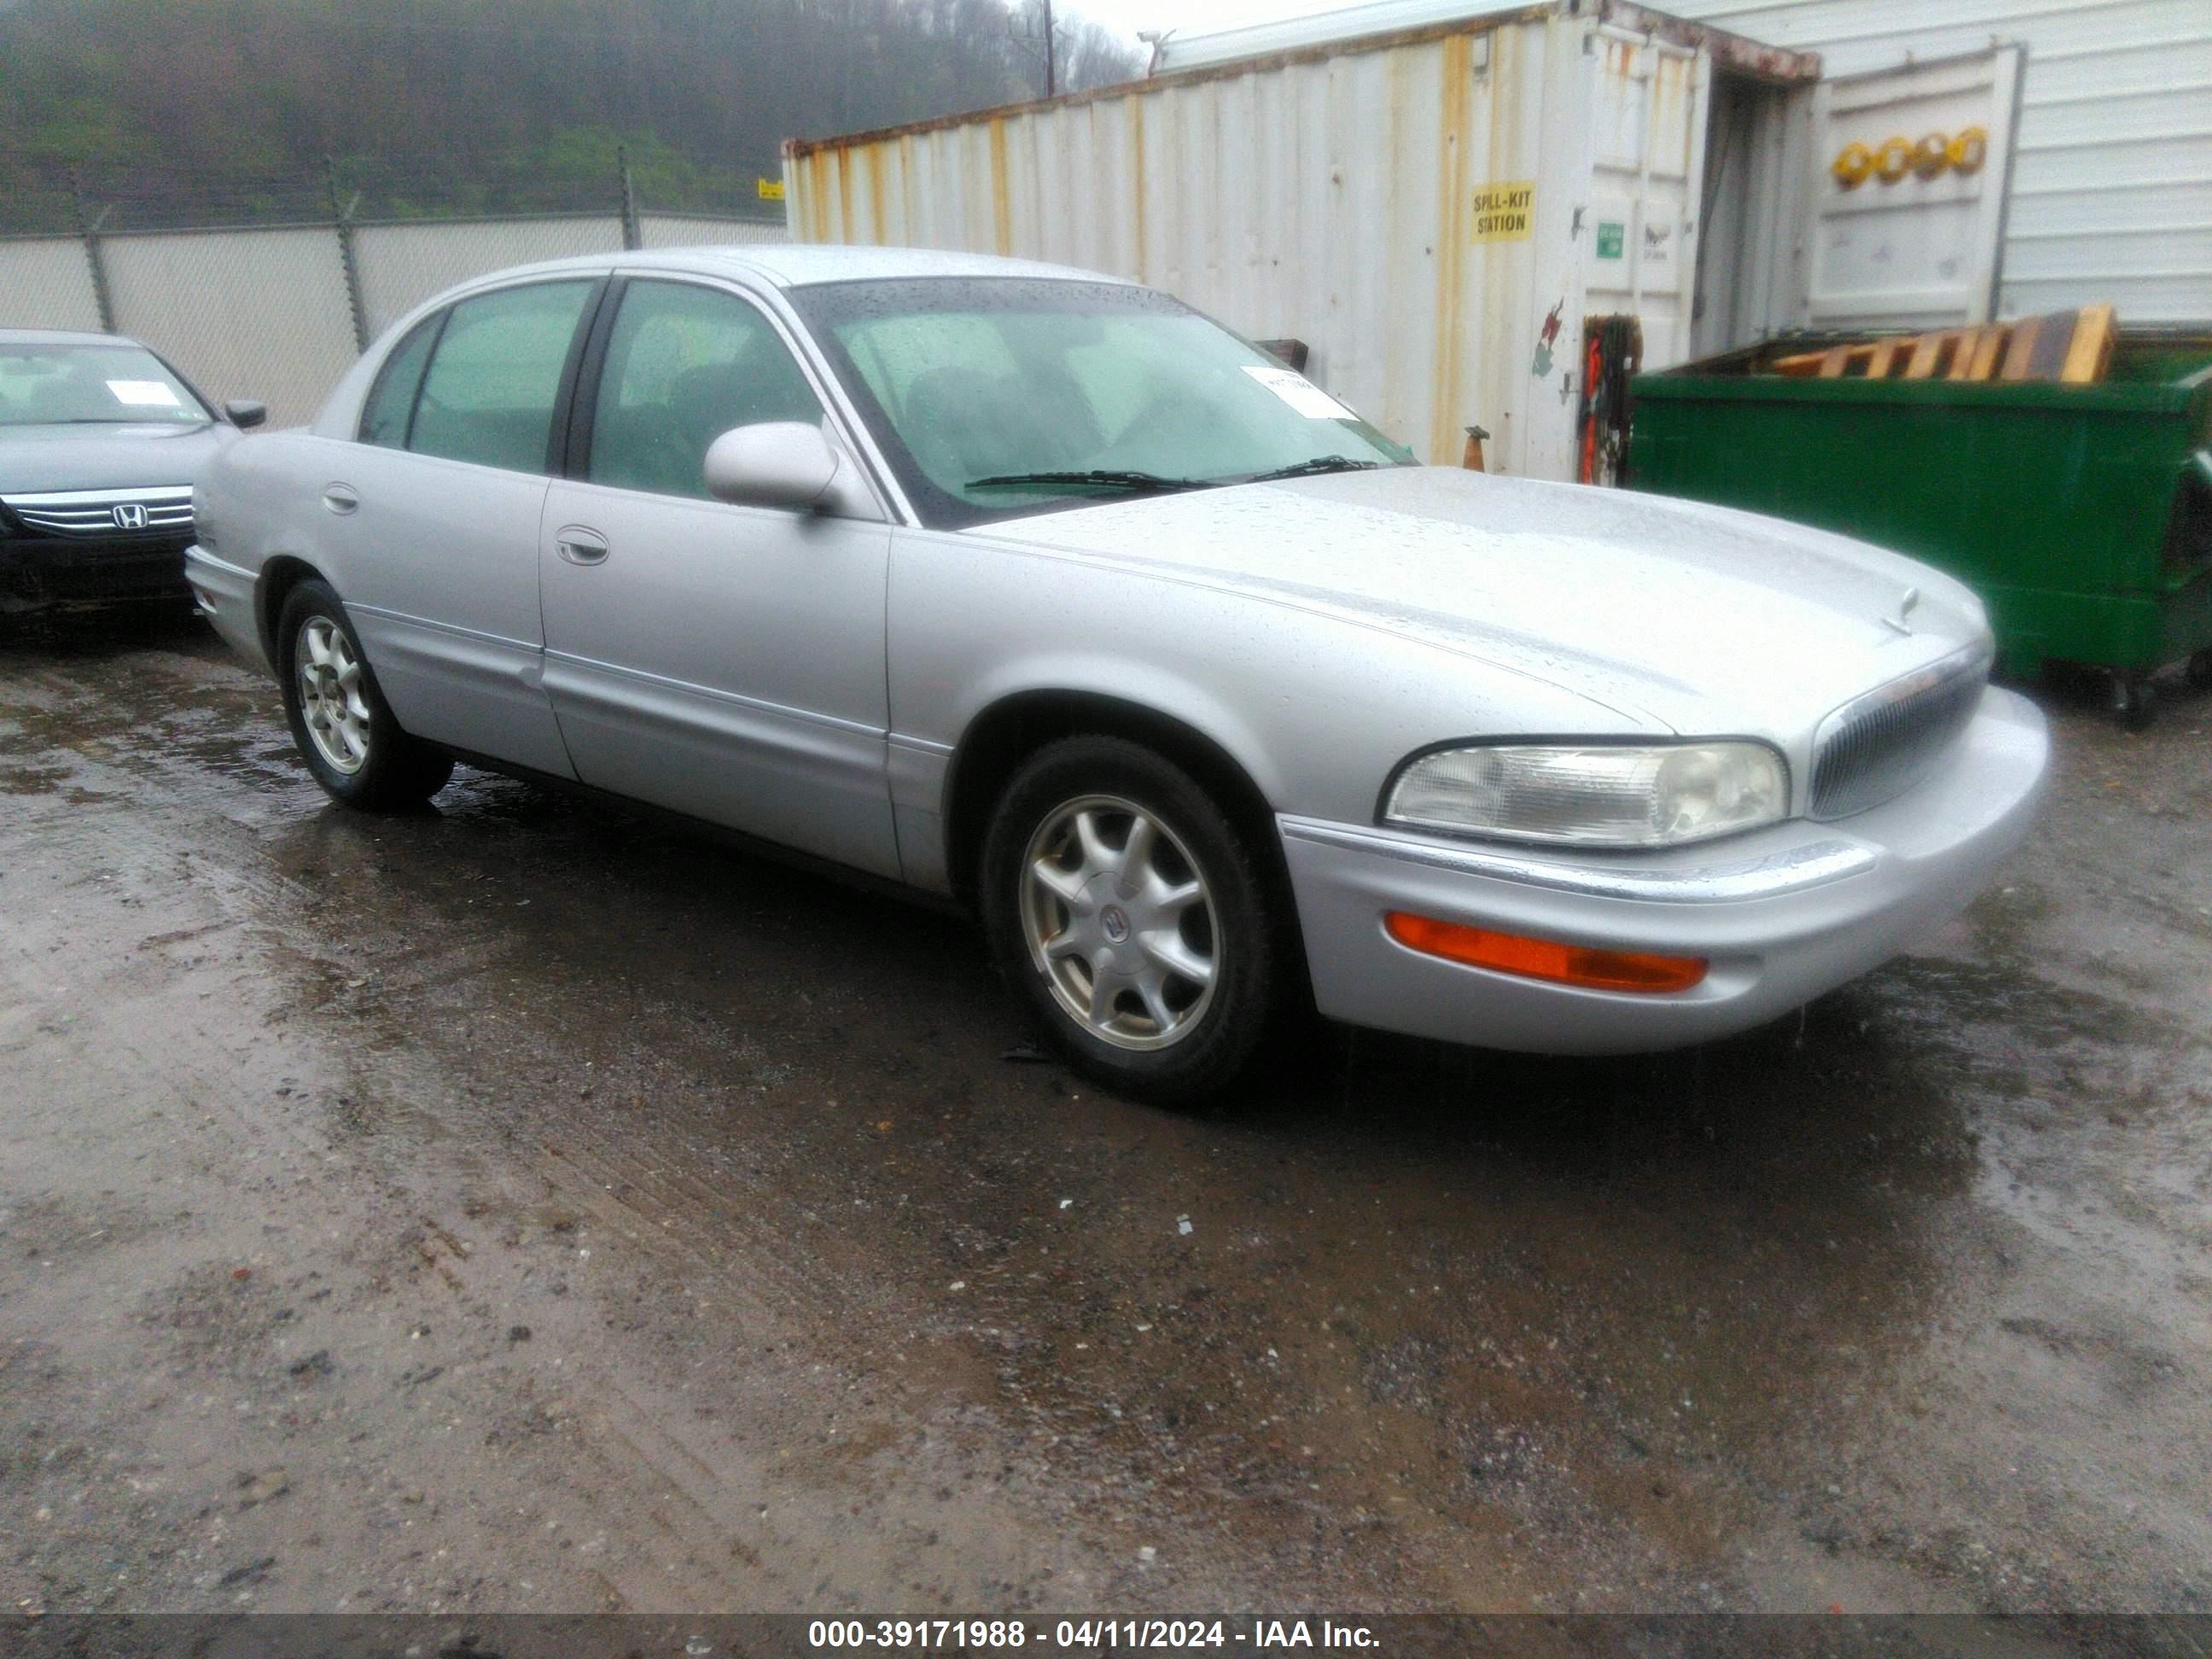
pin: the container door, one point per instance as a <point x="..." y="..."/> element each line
<point x="1910" y="171"/>
<point x="1647" y="163"/>
<point x="1751" y="242"/>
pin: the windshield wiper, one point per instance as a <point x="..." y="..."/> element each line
<point x="1313" y="468"/>
<point x="1135" y="483"/>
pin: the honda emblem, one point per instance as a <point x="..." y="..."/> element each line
<point x="128" y="515"/>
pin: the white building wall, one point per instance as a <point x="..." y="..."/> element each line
<point x="2112" y="184"/>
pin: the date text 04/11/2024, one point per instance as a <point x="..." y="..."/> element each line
<point x="1089" y="1635"/>
<point x="1262" y="1633"/>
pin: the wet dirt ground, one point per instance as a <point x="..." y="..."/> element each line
<point x="524" y="1205"/>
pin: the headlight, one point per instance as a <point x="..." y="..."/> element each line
<point x="1597" y="795"/>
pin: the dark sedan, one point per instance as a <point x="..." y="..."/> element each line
<point x="99" y="443"/>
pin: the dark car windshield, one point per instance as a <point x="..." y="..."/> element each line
<point x="91" y="386"/>
<point x="994" y="397"/>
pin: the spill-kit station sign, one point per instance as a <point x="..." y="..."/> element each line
<point x="1502" y="212"/>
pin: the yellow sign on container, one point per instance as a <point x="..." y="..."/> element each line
<point x="771" y="190"/>
<point x="1502" y="212"/>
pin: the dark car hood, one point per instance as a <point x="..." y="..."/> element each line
<point x="37" y="459"/>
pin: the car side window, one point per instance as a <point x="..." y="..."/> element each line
<point x="391" y="399"/>
<point x="495" y="376"/>
<point x="685" y="364"/>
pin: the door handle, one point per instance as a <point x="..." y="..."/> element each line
<point x="340" y="498"/>
<point x="580" y="545"/>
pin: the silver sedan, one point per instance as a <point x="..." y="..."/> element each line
<point x="1037" y="589"/>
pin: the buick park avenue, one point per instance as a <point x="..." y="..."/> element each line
<point x="1037" y="590"/>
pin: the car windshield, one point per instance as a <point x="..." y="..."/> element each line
<point x="91" y="386"/>
<point x="994" y="396"/>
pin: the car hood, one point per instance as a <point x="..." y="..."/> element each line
<point x="37" y="459"/>
<point x="1698" y="618"/>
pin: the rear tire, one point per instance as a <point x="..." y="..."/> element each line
<point x="1121" y="903"/>
<point x="344" y="729"/>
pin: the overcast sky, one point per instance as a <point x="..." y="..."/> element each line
<point x="1195" y="16"/>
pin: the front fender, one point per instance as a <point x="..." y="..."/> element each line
<point x="1316" y="709"/>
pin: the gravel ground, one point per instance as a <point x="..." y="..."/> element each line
<point x="520" y="1205"/>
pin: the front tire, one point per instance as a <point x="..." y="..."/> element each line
<point x="344" y="729"/>
<point x="1136" y="924"/>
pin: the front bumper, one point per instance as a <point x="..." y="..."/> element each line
<point x="38" y="571"/>
<point x="1783" y="915"/>
<point x="225" y="593"/>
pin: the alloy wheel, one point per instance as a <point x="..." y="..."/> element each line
<point x="332" y="700"/>
<point x="1119" y="921"/>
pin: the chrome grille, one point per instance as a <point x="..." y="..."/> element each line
<point x="1877" y="746"/>
<point x="94" y="512"/>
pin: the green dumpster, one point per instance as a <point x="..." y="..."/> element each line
<point x="2082" y="515"/>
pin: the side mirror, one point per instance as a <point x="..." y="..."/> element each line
<point x="244" y="413"/>
<point x="772" y="464"/>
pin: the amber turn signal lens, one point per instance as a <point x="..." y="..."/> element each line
<point x="1544" y="958"/>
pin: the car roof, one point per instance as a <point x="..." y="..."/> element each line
<point x="792" y="265"/>
<point x="61" y="336"/>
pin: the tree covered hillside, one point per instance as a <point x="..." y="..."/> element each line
<point x="184" y="111"/>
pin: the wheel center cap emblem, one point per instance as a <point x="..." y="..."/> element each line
<point x="1114" y="923"/>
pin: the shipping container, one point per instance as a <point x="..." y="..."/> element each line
<point x="1433" y="209"/>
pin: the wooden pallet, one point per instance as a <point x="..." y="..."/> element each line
<point x="2072" y="348"/>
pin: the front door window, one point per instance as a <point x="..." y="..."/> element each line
<point x="684" y="365"/>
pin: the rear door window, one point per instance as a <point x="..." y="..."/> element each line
<point x="391" y="399"/>
<point x="495" y="378"/>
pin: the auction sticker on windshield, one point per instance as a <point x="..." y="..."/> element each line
<point x="1300" y="393"/>
<point x="144" y="394"/>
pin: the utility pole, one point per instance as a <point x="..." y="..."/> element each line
<point x="1051" y="78"/>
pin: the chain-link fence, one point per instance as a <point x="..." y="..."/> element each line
<point x="244" y="313"/>
<point x="45" y="283"/>
<point x="277" y="311"/>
